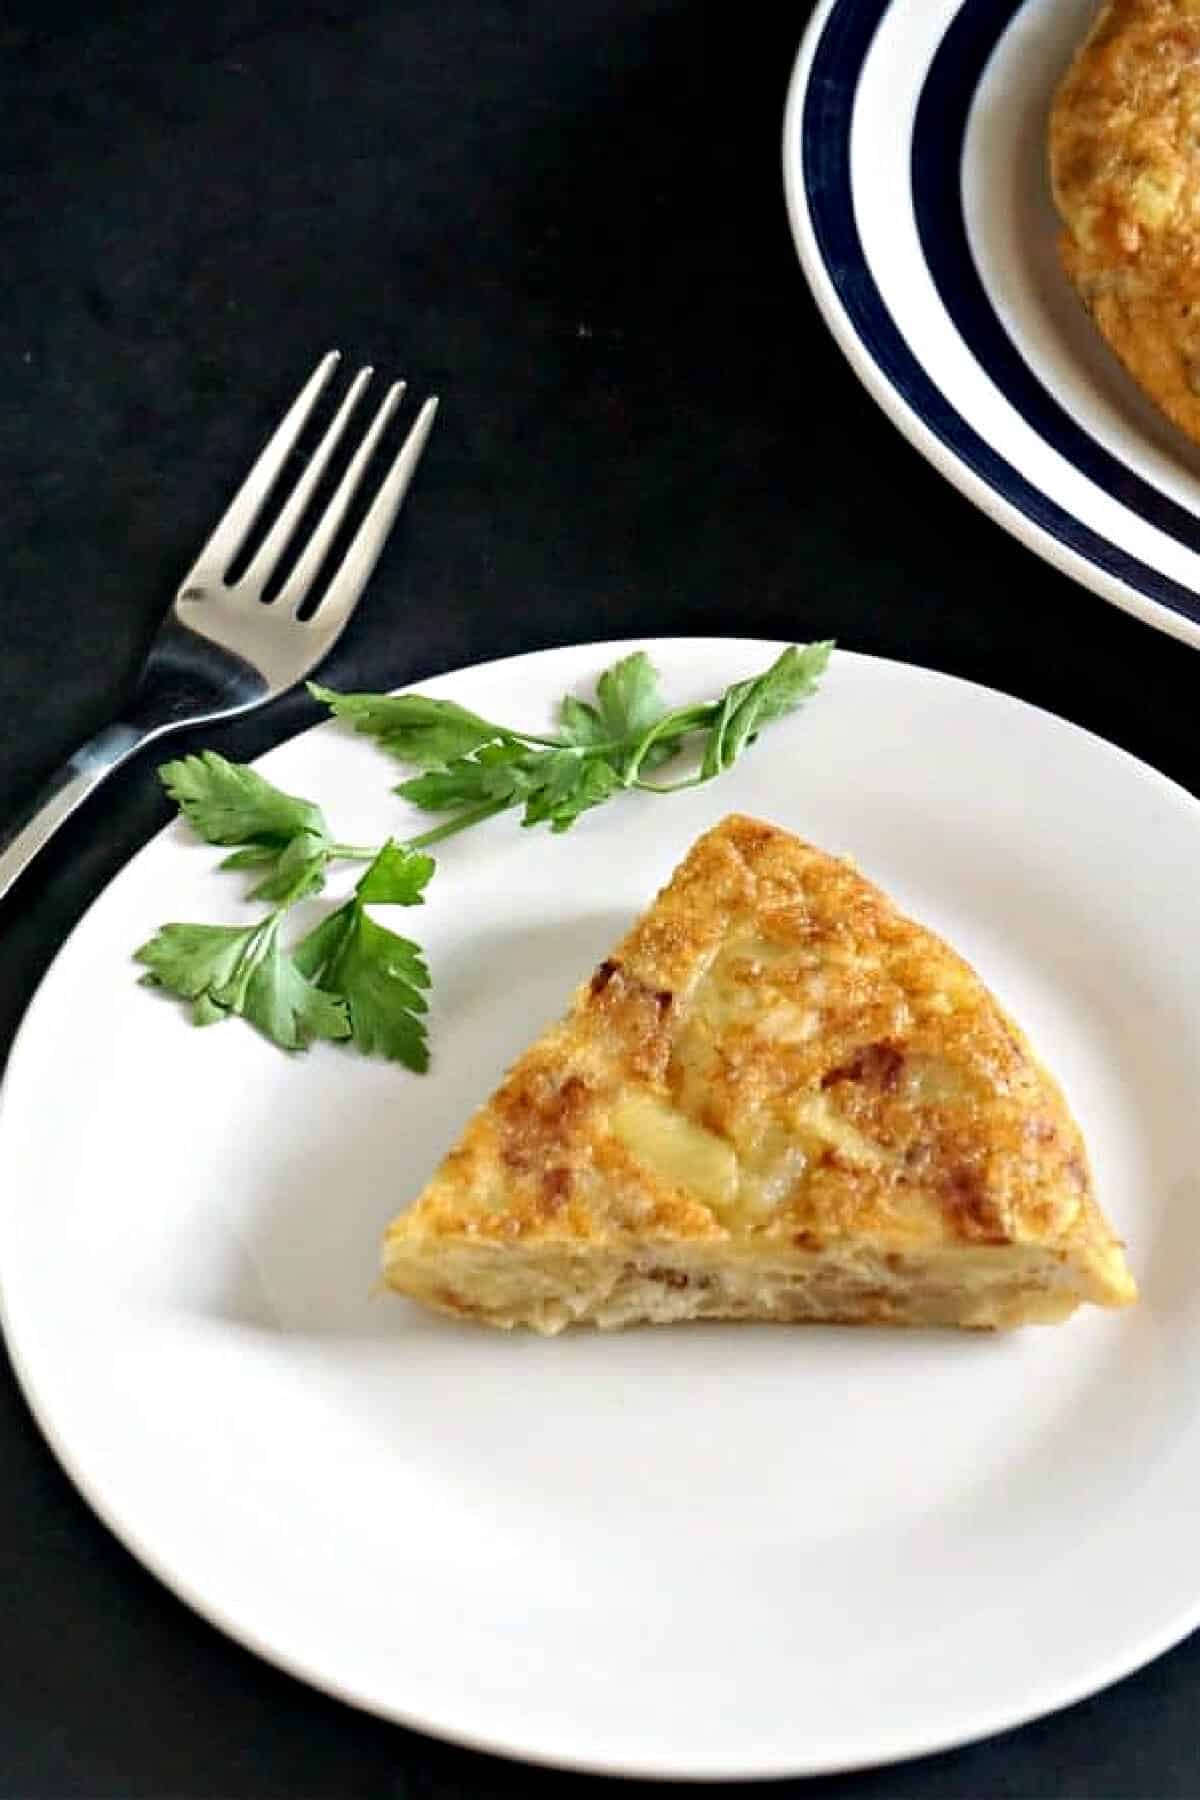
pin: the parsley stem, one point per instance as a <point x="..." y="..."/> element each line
<point x="527" y="737"/>
<point x="671" y="787"/>
<point x="673" y="725"/>
<point x="354" y="852"/>
<point x="473" y="816"/>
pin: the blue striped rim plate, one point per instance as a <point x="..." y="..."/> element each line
<point x="915" y="168"/>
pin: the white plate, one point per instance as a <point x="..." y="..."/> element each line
<point x="915" y="166"/>
<point x="702" y="1552"/>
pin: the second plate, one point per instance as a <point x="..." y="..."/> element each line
<point x="915" y="166"/>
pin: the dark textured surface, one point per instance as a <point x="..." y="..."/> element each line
<point x="567" y="219"/>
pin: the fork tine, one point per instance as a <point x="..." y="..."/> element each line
<point x="276" y="541"/>
<point x="295" y="588"/>
<point x="354" y="571"/>
<point x="247" y="503"/>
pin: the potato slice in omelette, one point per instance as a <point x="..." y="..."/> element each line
<point x="777" y="1099"/>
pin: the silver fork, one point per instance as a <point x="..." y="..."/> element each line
<point x="220" y="650"/>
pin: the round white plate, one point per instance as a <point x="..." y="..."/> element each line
<point x="915" y="167"/>
<point x="696" y="1552"/>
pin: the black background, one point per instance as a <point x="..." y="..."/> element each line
<point x="567" y="219"/>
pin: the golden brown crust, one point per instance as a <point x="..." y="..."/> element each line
<point x="1125" y="172"/>
<point x="774" y="1058"/>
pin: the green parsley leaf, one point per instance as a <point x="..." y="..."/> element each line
<point x="568" y="785"/>
<point x="554" y="786"/>
<point x="496" y="772"/>
<point x="630" y="702"/>
<point x="380" y="976"/>
<point x="580" y="723"/>
<point x="749" y="705"/>
<point x="792" y="678"/>
<point x="251" y="856"/>
<point x="411" y="727"/>
<point x="191" y="960"/>
<point x="732" y="722"/>
<point x="299" y="869"/>
<point x="226" y="969"/>
<point x="287" y="1007"/>
<point x="227" y="803"/>
<point x="397" y="877"/>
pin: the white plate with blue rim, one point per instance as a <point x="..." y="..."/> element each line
<point x="707" y="1552"/>
<point x="915" y="169"/>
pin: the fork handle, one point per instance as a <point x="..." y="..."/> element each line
<point x="66" y="789"/>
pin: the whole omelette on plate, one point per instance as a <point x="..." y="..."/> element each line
<point x="1125" y="172"/>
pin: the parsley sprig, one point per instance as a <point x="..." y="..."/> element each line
<point x="474" y="768"/>
<point x="351" y="977"/>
